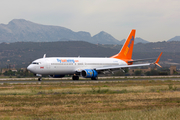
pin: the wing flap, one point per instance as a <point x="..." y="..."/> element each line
<point x="121" y="66"/>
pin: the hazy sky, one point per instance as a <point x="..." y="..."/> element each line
<point x="154" y="20"/>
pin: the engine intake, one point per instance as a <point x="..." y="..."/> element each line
<point x="88" y="73"/>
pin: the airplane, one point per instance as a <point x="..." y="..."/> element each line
<point x="87" y="67"/>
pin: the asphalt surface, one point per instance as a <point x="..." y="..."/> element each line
<point x="68" y="80"/>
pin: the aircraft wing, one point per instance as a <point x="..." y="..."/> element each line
<point x="131" y="61"/>
<point x="121" y="66"/>
<point x="128" y="66"/>
<point x="116" y="67"/>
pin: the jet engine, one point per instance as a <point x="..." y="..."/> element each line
<point x="56" y="76"/>
<point x="88" y="73"/>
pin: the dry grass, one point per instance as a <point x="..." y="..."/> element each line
<point x="109" y="100"/>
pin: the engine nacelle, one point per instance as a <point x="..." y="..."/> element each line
<point x="88" y="73"/>
<point x="56" y="76"/>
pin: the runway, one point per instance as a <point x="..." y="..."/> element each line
<point x="83" y="80"/>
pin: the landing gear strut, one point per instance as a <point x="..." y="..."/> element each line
<point x="75" y="77"/>
<point x="40" y="79"/>
<point x="94" y="78"/>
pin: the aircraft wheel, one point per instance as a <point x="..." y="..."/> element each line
<point x="40" y="79"/>
<point x="75" y="77"/>
<point x="94" y="78"/>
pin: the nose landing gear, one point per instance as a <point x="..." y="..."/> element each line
<point x="40" y="77"/>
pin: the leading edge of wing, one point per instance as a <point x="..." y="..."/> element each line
<point x="122" y="66"/>
<point x="138" y="60"/>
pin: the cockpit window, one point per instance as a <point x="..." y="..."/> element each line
<point x="35" y="63"/>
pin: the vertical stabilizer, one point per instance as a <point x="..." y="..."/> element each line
<point x="127" y="49"/>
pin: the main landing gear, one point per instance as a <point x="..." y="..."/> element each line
<point x="40" y="79"/>
<point x="94" y="78"/>
<point x="75" y="77"/>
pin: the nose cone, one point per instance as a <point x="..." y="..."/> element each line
<point x="30" y="68"/>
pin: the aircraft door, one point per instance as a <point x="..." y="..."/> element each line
<point x="47" y="64"/>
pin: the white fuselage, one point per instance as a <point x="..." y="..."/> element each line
<point x="69" y="65"/>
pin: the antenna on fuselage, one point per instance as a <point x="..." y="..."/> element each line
<point x="44" y="56"/>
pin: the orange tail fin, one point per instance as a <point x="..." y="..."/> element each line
<point x="127" y="49"/>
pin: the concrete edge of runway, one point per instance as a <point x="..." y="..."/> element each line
<point x="84" y="80"/>
<point x="99" y="78"/>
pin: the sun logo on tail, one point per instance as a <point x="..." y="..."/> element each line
<point x="129" y="45"/>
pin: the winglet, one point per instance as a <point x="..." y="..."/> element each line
<point x="157" y="60"/>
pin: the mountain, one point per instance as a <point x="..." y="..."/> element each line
<point x="171" y="53"/>
<point x="176" y="38"/>
<point x="171" y="47"/>
<point x="105" y="38"/>
<point x="20" y="54"/>
<point x="140" y="40"/>
<point x="22" y="30"/>
<point x="137" y="40"/>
